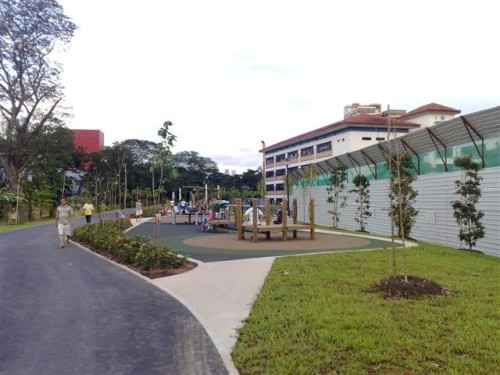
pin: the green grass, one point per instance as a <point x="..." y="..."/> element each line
<point x="4" y="226"/>
<point x="314" y="316"/>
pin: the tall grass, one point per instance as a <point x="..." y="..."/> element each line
<point x="314" y="316"/>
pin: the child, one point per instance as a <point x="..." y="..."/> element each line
<point x="204" y="222"/>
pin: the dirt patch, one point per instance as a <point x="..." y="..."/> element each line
<point x="415" y="287"/>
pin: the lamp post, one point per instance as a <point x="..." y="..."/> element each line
<point x="287" y="187"/>
<point x="263" y="170"/>
<point x="17" y="197"/>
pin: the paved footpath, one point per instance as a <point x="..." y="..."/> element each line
<point x="67" y="311"/>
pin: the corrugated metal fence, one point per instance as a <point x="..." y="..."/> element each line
<point x="434" y="222"/>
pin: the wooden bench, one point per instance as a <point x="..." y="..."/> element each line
<point x="220" y="223"/>
<point x="284" y="227"/>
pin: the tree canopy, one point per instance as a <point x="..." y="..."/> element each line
<point x="30" y="89"/>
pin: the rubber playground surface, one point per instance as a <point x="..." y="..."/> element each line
<point x="222" y="245"/>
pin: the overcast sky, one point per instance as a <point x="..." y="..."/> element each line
<point x="231" y="73"/>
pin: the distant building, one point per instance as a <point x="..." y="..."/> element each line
<point x="89" y="140"/>
<point x="430" y="114"/>
<point x="356" y="109"/>
<point x="363" y="125"/>
<point x="394" y="113"/>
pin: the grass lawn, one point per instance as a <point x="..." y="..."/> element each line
<point x="314" y="316"/>
<point x="4" y="226"/>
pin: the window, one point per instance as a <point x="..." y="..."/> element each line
<point x="327" y="146"/>
<point x="307" y="151"/>
<point x="366" y="138"/>
<point x="380" y="139"/>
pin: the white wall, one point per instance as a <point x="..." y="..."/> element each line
<point x="429" y="119"/>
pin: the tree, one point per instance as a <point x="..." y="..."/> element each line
<point x="192" y="161"/>
<point x="42" y="181"/>
<point x="193" y="168"/>
<point x="466" y="214"/>
<point x="403" y="195"/>
<point x="361" y="185"/>
<point x="337" y="185"/>
<point x="164" y="156"/>
<point x="138" y="160"/>
<point x="30" y="91"/>
<point x="251" y="179"/>
<point x="310" y="173"/>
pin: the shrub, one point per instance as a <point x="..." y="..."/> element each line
<point x="108" y="238"/>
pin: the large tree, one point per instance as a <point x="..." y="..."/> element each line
<point x="30" y="90"/>
<point x="192" y="161"/>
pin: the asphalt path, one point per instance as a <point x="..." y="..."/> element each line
<point x="67" y="311"/>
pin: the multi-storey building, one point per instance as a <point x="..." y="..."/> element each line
<point x="362" y="126"/>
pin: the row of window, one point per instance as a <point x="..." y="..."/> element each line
<point x="370" y="138"/>
<point x="308" y="151"/>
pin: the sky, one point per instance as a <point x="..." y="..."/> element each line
<point x="230" y="74"/>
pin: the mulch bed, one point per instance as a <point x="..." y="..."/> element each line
<point x="415" y="287"/>
<point x="152" y="274"/>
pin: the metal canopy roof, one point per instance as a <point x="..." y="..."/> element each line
<point x="474" y="127"/>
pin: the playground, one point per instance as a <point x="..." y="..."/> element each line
<point x="222" y="245"/>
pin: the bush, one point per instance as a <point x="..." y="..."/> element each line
<point x="108" y="238"/>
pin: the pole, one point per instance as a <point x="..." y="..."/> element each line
<point x="125" y="192"/>
<point x="17" y="197"/>
<point x="263" y="170"/>
<point x="287" y="188"/>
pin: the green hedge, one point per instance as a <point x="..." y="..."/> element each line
<point x="109" y="239"/>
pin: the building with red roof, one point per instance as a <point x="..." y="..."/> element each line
<point x="359" y="129"/>
<point x="430" y="114"/>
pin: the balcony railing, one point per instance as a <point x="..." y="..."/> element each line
<point x="307" y="157"/>
<point x="324" y="154"/>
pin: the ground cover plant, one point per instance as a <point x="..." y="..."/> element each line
<point x="318" y="315"/>
<point x="108" y="238"/>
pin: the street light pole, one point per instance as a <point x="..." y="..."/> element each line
<point x="17" y="197"/>
<point x="287" y="187"/>
<point x="125" y="192"/>
<point x="263" y="170"/>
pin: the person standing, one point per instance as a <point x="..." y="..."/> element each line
<point x="138" y="210"/>
<point x="64" y="213"/>
<point x="88" y="209"/>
